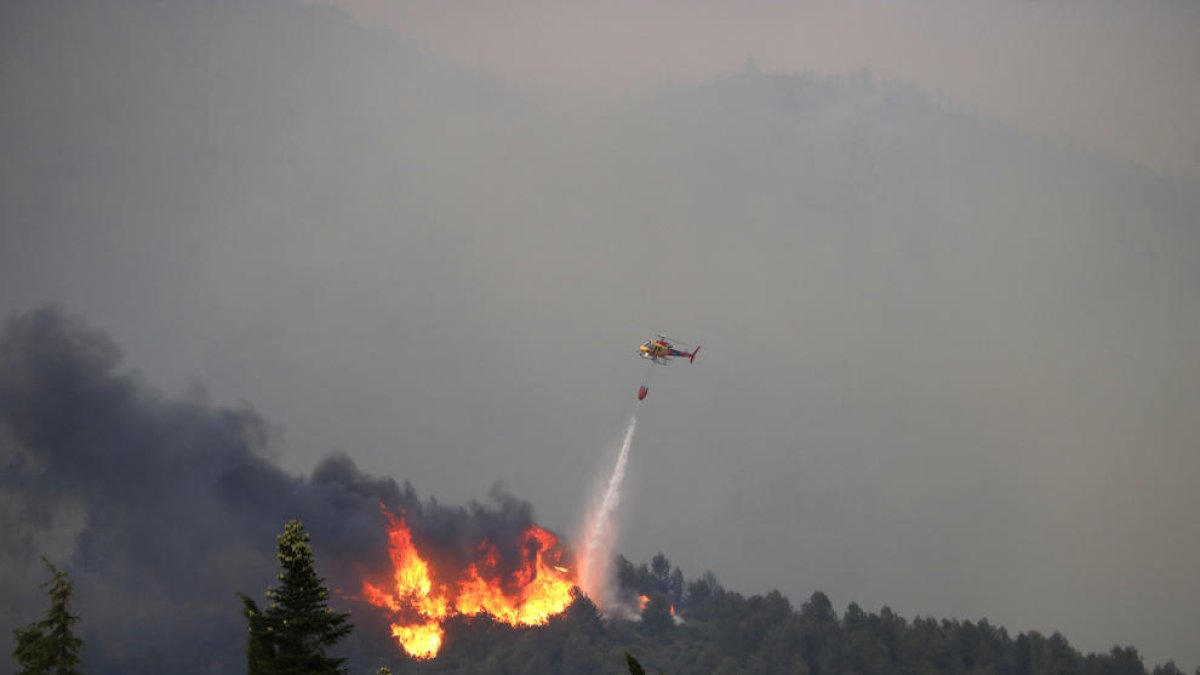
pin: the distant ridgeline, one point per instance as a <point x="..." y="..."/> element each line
<point x="720" y="631"/>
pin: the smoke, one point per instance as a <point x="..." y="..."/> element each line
<point x="162" y="508"/>
<point x="601" y="530"/>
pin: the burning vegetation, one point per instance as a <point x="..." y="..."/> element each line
<point x="426" y="588"/>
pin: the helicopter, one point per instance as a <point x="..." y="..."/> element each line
<point x="660" y="351"/>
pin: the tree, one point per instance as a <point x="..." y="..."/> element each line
<point x="675" y="586"/>
<point x="635" y="668"/>
<point x="583" y="617"/>
<point x="700" y="595"/>
<point x="1168" y="668"/>
<point x="626" y="574"/>
<point x="48" y="647"/>
<point x="290" y="637"/>
<point x="656" y="616"/>
<point x="660" y="568"/>
<point x="259" y="652"/>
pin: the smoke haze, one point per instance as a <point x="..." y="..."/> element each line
<point x="1115" y="77"/>
<point x="948" y="366"/>
<point x="163" y="508"/>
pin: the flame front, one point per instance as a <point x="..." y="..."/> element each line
<point x="421" y="597"/>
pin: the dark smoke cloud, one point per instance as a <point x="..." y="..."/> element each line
<point x="161" y="508"/>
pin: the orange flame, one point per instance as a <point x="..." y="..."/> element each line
<point x="421" y="597"/>
<point x="644" y="600"/>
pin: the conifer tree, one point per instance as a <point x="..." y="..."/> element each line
<point x="259" y="653"/>
<point x="635" y="668"/>
<point x="48" y="647"/>
<point x="291" y="635"/>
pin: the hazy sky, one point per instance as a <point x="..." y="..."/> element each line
<point x="1118" y="77"/>
<point x="949" y="365"/>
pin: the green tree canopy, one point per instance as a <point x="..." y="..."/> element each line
<point x="48" y="647"/>
<point x="291" y="636"/>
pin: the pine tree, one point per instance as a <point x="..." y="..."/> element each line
<point x="290" y="637"/>
<point x="48" y="647"/>
<point x="259" y="653"/>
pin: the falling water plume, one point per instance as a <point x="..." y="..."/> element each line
<point x="601" y="529"/>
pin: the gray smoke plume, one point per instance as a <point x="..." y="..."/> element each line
<point x="161" y="509"/>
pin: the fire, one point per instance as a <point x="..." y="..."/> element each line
<point x="644" y="600"/>
<point x="421" y="597"/>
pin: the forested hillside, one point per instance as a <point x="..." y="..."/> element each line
<point x="722" y="631"/>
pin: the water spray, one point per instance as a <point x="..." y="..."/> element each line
<point x="601" y="529"/>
